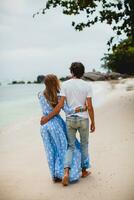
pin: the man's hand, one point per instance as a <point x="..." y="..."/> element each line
<point x="91" y="113"/>
<point x="92" y="127"/>
<point x="44" y="120"/>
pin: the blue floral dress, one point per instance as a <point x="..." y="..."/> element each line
<point x="54" y="135"/>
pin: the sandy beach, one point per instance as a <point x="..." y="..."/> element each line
<point x="24" y="173"/>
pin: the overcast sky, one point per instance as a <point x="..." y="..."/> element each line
<point x="45" y="44"/>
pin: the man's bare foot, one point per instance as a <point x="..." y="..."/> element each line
<point x="65" y="180"/>
<point x="85" y="173"/>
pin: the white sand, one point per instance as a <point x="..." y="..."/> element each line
<point x="24" y="173"/>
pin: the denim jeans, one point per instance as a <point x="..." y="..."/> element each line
<point x="74" y="124"/>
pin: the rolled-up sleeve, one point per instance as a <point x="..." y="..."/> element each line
<point x="62" y="91"/>
<point x="89" y="91"/>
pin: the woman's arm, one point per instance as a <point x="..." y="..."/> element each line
<point x="55" y="111"/>
<point x="67" y="109"/>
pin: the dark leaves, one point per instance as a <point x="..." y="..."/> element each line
<point x="118" y="14"/>
<point x="73" y="23"/>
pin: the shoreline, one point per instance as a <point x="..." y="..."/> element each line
<point x="24" y="102"/>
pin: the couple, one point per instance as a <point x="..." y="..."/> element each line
<point x="68" y="159"/>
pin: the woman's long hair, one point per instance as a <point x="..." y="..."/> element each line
<point x="52" y="88"/>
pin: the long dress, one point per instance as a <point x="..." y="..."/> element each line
<point x="54" y="135"/>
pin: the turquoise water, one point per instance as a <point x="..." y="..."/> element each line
<point x="19" y="102"/>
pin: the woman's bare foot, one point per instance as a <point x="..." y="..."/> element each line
<point x="57" y="180"/>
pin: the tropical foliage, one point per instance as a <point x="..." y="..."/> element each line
<point x="121" y="59"/>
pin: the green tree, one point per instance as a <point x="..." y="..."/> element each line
<point x="121" y="59"/>
<point x="119" y="14"/>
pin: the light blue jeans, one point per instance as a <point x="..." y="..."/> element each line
<point x="74" y="124"/>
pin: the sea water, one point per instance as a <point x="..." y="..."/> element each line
<point x="20" y="101"/>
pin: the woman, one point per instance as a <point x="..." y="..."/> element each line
<point x="54" y="133"/>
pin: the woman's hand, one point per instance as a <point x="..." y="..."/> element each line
<point x="44" y="120"/>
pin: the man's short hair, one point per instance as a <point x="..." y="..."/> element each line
<point x="77" y="69"/>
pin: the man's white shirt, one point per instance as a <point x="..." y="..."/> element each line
<point x="76" y="92"/>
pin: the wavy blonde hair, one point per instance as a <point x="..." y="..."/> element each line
<point x="52" y="88"/>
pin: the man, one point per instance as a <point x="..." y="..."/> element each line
<point x="77" y="92"/>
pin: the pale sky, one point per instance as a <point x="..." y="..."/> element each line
<point x="45" y="44"/>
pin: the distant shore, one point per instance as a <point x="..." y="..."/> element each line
<point x="88" y="76"/>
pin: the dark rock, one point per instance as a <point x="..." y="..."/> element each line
<point x="18" y="82"/>
<point x="40" y="78"/>
<point x="98" y="76"/>
<point x="64" y="78"/>
<point x="94" y="76"/>
<point x="114" y="75"/>
<point x="29" y="82"/>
